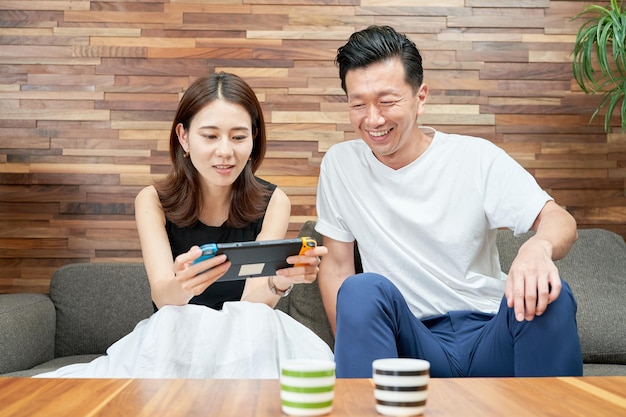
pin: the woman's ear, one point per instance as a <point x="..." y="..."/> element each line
<point x="183" y="137"/>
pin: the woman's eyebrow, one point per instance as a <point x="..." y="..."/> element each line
<point x="218" y="128"/>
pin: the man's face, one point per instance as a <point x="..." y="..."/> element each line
<point x="384" y="110"/>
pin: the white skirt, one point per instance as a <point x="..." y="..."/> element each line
<point x="243" y="340"/>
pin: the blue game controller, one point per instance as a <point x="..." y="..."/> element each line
<point x="208" y="251"/>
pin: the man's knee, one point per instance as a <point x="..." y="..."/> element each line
<point x="366" y="284"/>
<point x="557" y="325"/>
<point x="565" y="305"/>
<point x="362" y="297"/>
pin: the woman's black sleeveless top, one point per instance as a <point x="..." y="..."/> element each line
<point x="183" y="238"/>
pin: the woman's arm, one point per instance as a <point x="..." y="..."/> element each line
<point x="172" y="282"/>
<point x="275" y="225"/>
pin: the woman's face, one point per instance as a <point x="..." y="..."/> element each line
<point x="219" y="141"/>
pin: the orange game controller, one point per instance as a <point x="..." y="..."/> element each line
<point x="307" y="243"/>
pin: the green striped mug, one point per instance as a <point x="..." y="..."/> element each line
<point x="307" y="387"/>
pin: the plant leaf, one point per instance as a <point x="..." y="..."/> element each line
<point x="602" y="34"/>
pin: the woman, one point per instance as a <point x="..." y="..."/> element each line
<point x="211" y="195"/>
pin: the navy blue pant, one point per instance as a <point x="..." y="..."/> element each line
<point x="374" y="321"/>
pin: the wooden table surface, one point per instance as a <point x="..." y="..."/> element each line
<point x="467" y="397"/>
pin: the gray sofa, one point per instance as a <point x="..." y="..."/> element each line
<point x="90" y="306"/>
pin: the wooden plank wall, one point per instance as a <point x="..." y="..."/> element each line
<point x="88" y="90"/>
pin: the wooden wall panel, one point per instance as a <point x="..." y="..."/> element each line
<point x="88" y="90"/>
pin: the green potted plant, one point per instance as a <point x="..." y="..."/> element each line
<point x="599" y="64"/>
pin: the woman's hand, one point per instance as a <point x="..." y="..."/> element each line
<point x="305" y="268"/>
<point x="195" y="278"/>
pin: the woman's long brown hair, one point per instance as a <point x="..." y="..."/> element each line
<point x="180" y="192"/>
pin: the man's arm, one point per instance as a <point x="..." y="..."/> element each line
<point x="336" y="266"/>
<point x="533" y="281"/>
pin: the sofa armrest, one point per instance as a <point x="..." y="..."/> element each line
<point x="27" y="329"/>
<point x="595" y="269"/>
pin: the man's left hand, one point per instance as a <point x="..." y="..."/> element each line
<point x="533" y="281"/>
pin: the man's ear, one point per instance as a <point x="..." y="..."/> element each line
<point x="421" y="96"/>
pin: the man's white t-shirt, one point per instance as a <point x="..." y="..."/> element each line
<point x="430" y="227"/>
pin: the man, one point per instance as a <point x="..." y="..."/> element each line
<point x="424" y="207"/>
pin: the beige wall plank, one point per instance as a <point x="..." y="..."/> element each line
<point x="44" y="5"/>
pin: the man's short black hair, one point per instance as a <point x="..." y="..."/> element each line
<point x="377" y="44"/>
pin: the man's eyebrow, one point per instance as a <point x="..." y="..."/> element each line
<point x="379" y="94"/>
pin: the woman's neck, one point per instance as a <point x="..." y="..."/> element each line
<point x="215" y="205"/>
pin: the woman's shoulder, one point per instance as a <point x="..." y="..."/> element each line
<point x="275" y="222"/>
<point x="275" y="196"/>
<point x="280" y="197"/>
<point x="147" y="195"/>
<point x="268" y="185"/>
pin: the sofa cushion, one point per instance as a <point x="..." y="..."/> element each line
<point x="92" y="305"/>
<point x="28" y="326"/>
<point x="53" y="365"/>
<point x="595" y="269"/>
